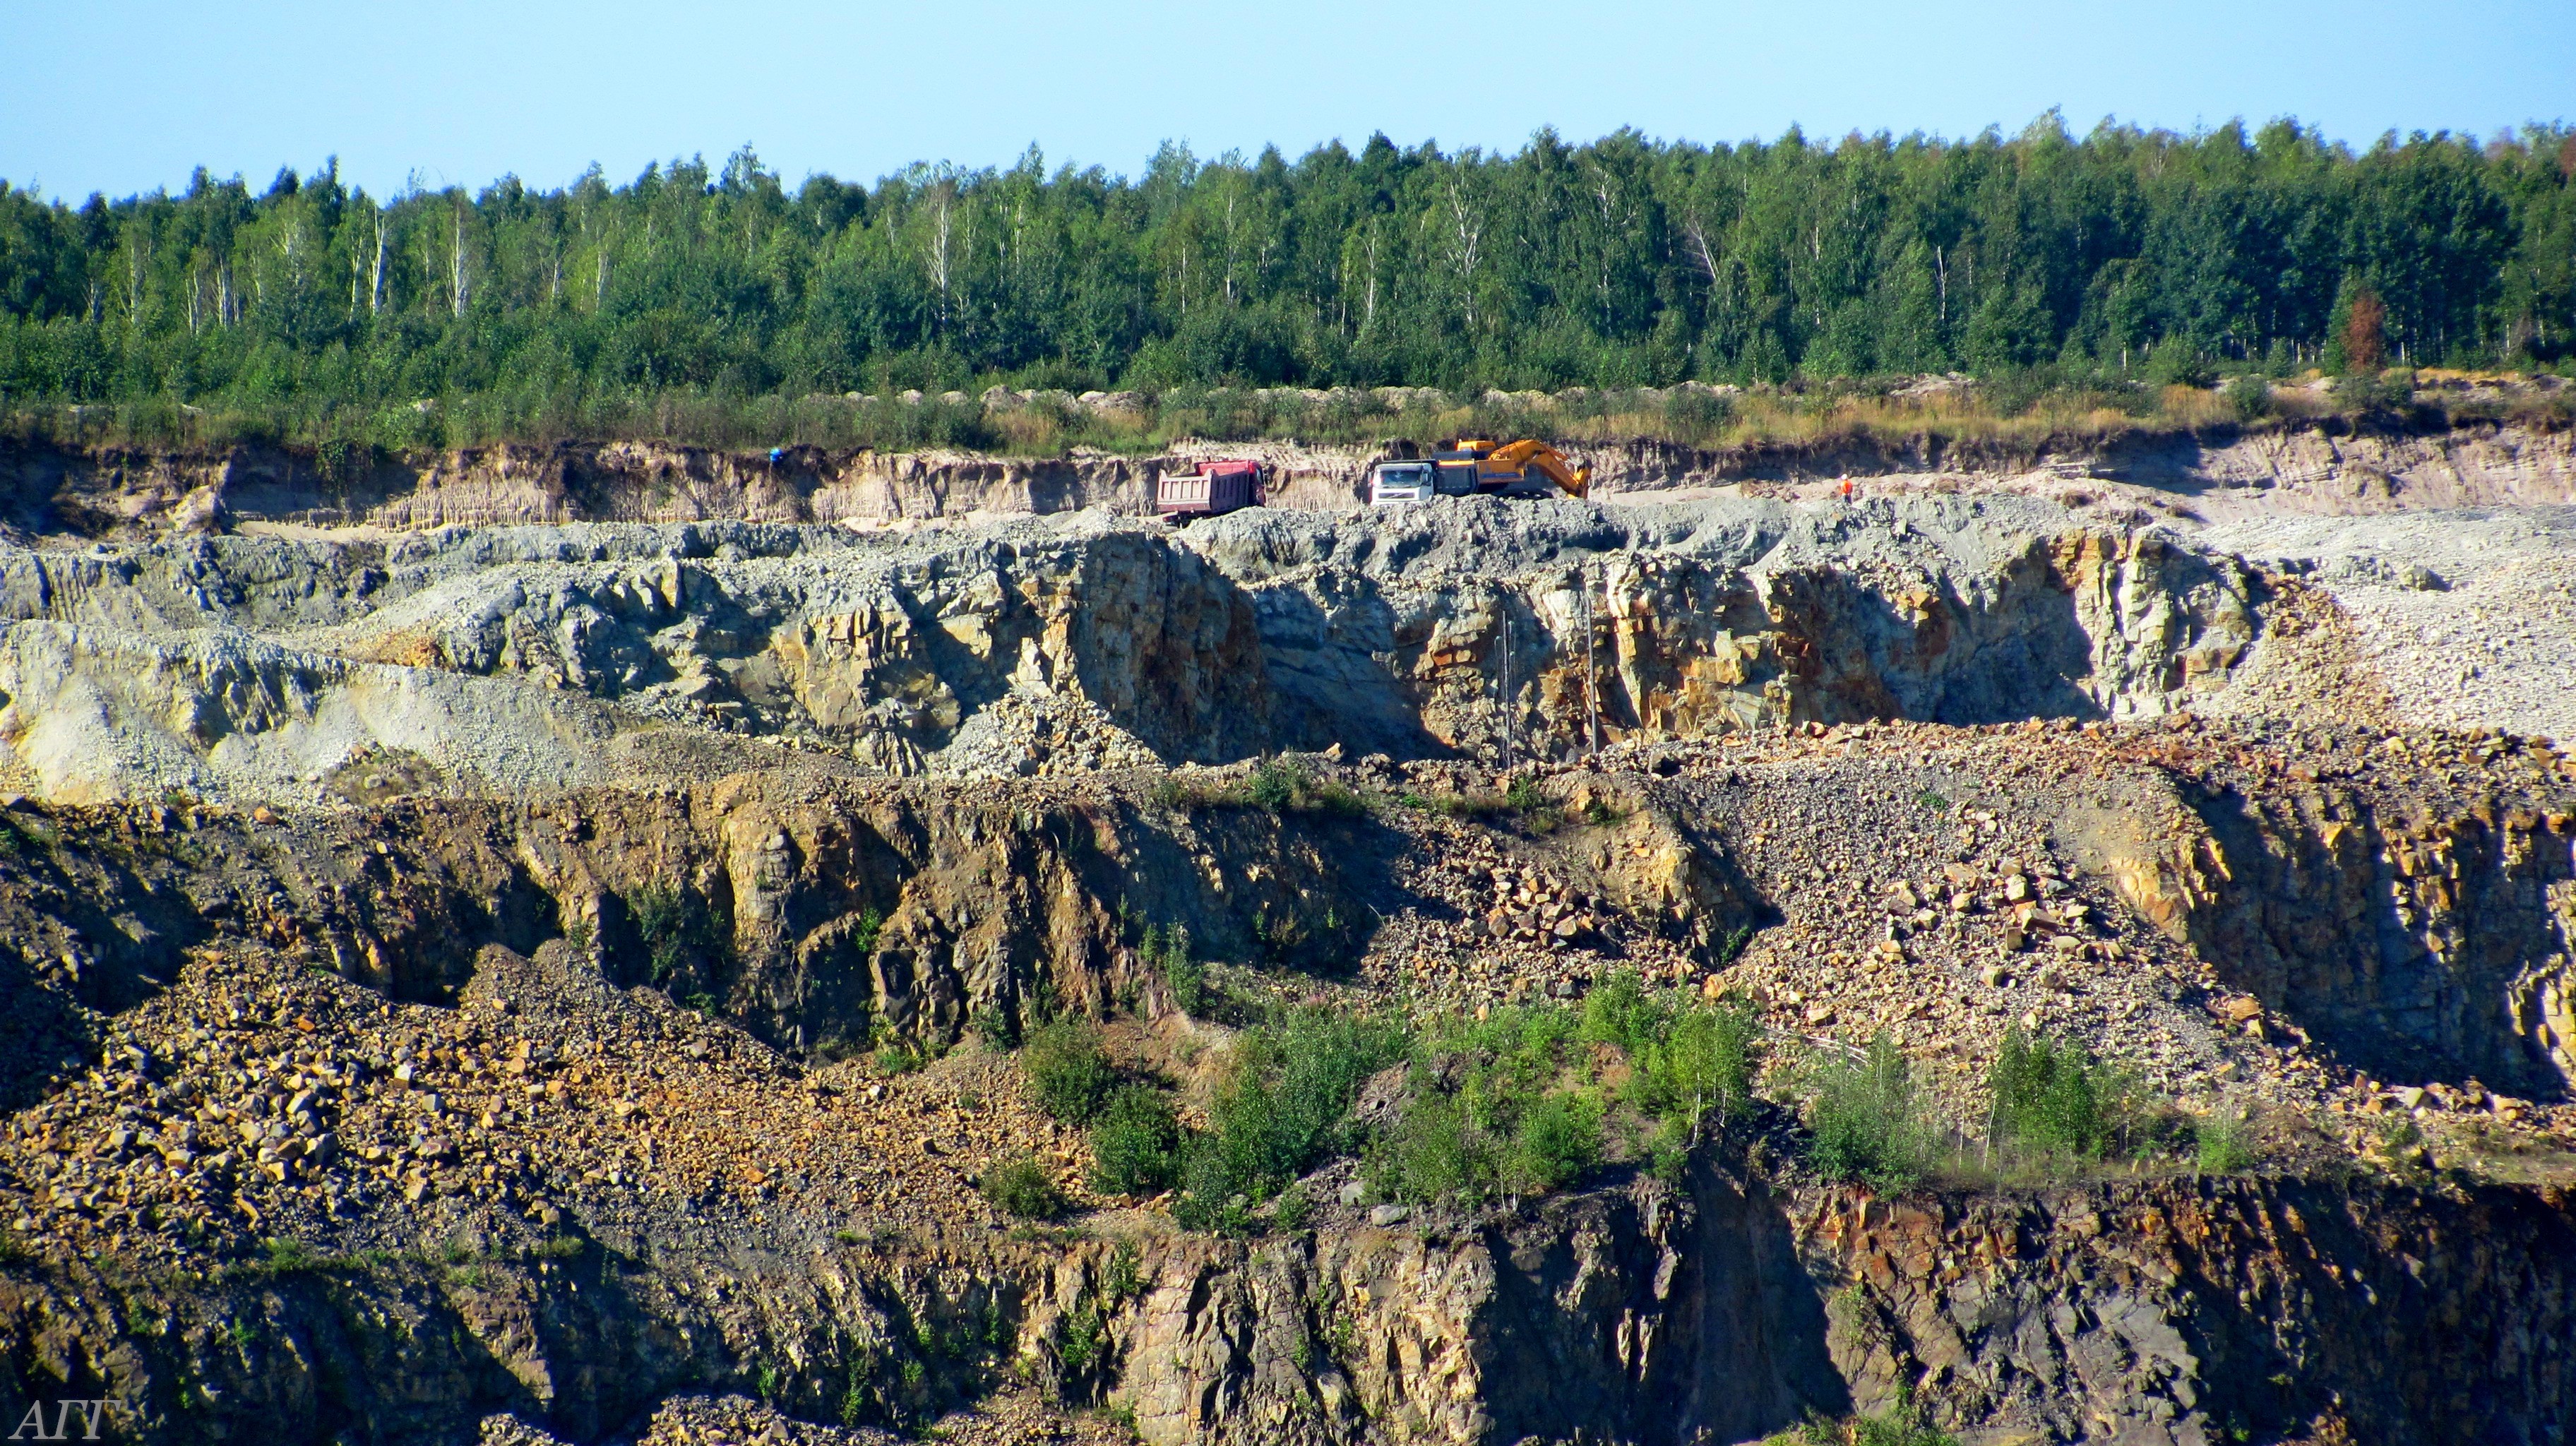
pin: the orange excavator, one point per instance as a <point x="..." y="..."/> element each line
<point x="1473" y="465"/>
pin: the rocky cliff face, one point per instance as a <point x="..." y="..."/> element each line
<point x="2170" y="1311"/>
<point x="1527" y="625"/>
<point x="256" y="667"/>
<point x="2422" y="927"/>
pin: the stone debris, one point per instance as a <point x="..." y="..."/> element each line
<point x="1941" y="885"/>
<point x="1033" y="732"/>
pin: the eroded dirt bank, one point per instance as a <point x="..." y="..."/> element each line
<point x="2326" y="468"/>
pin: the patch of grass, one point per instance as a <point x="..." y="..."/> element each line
<point x="1903" y="1426"/>
<point x="1068" y="1073"/>
<point x="1188" y="797"/>
<point x="19" y="832"/>
<point x="1933" y="801"/>
<point x="284" y="1255"/>
<point x="1019" y="1186"/>
<point x="1283" y="785"/>
<point x="1870" y="1120"/>
<point x="1457" y="805"/>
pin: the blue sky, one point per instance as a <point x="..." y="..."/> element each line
<point x="125" y="95"/>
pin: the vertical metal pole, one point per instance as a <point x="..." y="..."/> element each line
<point x="1504" y="603"/>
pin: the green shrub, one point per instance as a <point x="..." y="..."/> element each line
<point x="680" y="933"/>
<point x="2250" y="395"/>
<point x="2054" y="1098"/>
<point x="1135" y="1144"/>
<point x="1068" y="1072"/>
<point x="871" y="925"/>
<point x="1555" y="1140"/>
<point x="1275" y="784"/>
<point x="1508" y="1105"/>
<point x="1019" y="1186"/>
<point x="1703" y="1063"/>
<point x="1290" y="1086"/>
<point x="2222" y="1144"/>
<point x="1209" y="1198"/>
<point x="1869" y="1120"/>
<point x="1685" y="1057"/>
<point x="994" y="1024"/>
<point x="1433" y="1152"/>
<point x="1167" y="952"/>
<point x="1619" y="1011"/>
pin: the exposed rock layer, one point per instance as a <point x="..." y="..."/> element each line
<point x="515" y="658"/>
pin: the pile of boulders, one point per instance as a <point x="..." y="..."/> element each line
<point x="1040" y="733"/>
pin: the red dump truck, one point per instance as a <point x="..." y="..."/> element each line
<point x="1214" y="490"/>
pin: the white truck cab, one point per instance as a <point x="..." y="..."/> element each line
<point x="1393" y="482"/>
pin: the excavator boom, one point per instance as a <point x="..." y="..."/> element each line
<point x="1501" y="466"/>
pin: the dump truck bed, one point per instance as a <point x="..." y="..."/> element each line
<point x="1214" y="490"/>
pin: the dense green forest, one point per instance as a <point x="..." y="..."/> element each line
<point x="1623" y="262"/>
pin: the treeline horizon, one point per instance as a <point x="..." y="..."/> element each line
<point x="2125" y="255"/>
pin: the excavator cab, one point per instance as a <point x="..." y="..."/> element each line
<point x="1457" y="470"/>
